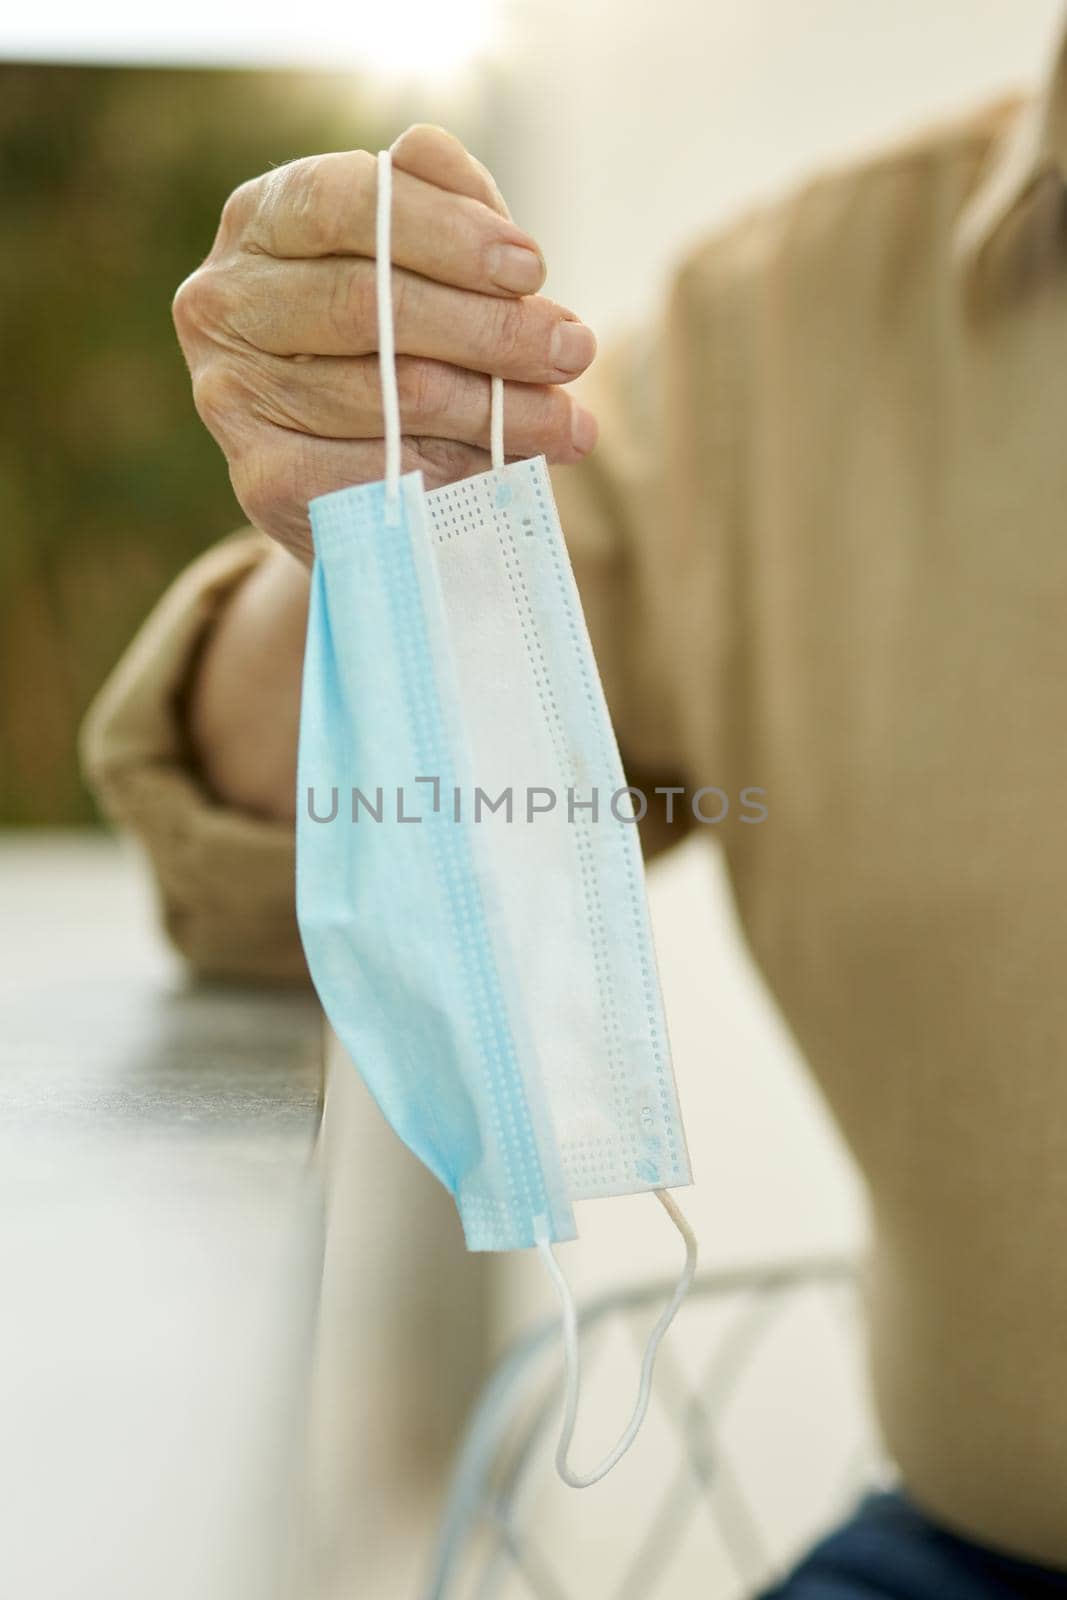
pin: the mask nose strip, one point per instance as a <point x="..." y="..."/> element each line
<point x="383" y="282"/>
<point x="571" y="1364"/>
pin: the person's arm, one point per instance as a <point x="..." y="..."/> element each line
<point x="244" y="699"/>
<point x="224" y="873"/>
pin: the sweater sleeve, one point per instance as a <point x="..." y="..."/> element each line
<point x="224" y="878"/>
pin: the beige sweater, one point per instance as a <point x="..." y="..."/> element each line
<point x="823" y="549"/>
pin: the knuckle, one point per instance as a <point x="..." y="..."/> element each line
<point x="240" y="206"/>
<point x="446" y="460"/>
<point x="273" y="489"/>
<point x="353" y="305"/>
<point x="264" y="485"/>
<point x="423" y="388"/>
<point x="183" y="310"/>
<point x="361" y="175"/>
<point x="201" y="302"/>
<point x="218" y="395"/>
<point x="321" y="190"/>
<point x="308" y="192"/>
<point x="406" y="295"/>
<point x="507" y="326"/>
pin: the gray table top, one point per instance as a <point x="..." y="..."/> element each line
<point x="160" y="1245"/>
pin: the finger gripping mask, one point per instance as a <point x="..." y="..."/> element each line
<point x="470" y="891"/>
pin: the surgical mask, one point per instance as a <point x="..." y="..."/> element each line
<point x="474" y="920"/>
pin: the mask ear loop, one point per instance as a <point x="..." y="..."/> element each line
<point x="496" y="423"/>
<point x="572" y="1370"/>
<point x="387" y="351"/>
<point x="386" y="339"/>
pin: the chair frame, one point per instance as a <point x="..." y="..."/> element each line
<point x="495" y="1459"/>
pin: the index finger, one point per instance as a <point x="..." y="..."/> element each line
<point x="325" y="206"/>
<point x="434" y="154"/>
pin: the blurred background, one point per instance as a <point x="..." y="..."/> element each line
<point x="618" y="131"/>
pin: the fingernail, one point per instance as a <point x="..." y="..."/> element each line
<point x="513" y="267"/>
<point x="583" y="430"/>
<point x="573" y="346"/>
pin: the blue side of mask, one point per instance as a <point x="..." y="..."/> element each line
<point x="393" y="913"/>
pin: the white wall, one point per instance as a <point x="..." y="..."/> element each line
<point x="626" y="126"/>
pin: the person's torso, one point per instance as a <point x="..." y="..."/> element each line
<point x="901" y="692"/>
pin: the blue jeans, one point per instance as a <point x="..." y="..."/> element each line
<point x="890" y="1551"/>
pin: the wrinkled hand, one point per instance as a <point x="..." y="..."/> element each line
<point x="279" y="327"/>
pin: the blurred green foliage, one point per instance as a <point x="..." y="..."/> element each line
<point x="111" y="184"/>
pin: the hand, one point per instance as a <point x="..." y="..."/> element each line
<point x="279" y="327"/>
